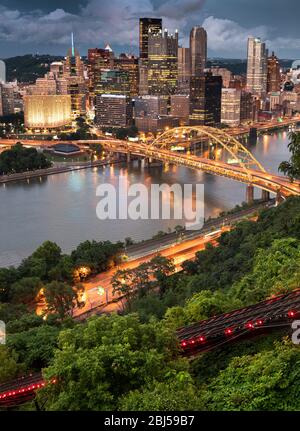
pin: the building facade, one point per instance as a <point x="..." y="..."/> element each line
<point x="198" y="50"/>
<point x="162" y="63"/>
<point x="231" y="107"/>
<point x="274" y="76"/>
<point x="113" y="110"/>
<point x="47" y="111"/>
<point x="257" y="67"/>
<point x="184" y="70"/>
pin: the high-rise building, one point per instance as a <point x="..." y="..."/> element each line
<point x="113" y="110"/>
<point x="205" y="100"/>
<point x="231" y="107"/>
<point x="184" y="70"/>
<point x="274" y="77"/>
<point x="130" y="65"/>
<point x="180" y="107"/>
<point x="148" y="26"/>
<point x="98" y="59"/>
<point x="150" y="106"/>
<point x="113" y="81"/>
<point x="257" y="67"/>
<point x="2" y="71"/>
<point x="198" y="50"/>
<point x="162" y="63"/>
<point x="225" y="73"/>
<point x="248" y="107"/>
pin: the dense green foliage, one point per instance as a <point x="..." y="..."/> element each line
<point x="292" y="168"/>
<point x="21" y="159"/>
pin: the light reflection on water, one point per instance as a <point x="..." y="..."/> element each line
<point x="62" y="208"/>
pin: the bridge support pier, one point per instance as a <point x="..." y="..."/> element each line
<point x="279" y="198"/>
<point x="128" y="157"/>
<point x="265" y="195"/>
<point x="250" y="194"/>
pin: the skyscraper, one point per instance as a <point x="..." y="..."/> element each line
<point x="274" y="78"/>
<point x="162" y="63"/>
<point x="148" y="26"/>
<point x="198" y="48"/>
<point x="184" y="70"/>
<point x="205" y="100"/>
<point x="257" y="67"/>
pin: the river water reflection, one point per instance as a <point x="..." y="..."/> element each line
<point x="62" y="208"/>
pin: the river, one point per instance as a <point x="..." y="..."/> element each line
<point x="62" y="208"/>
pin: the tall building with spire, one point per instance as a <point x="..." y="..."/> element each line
<point x="257" y="67"/>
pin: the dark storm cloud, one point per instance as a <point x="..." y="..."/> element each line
<point x="27" y="26"/>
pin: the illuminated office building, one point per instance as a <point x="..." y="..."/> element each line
<point x="147" y="26"/>
<point x="163" y="63"/>
<point x="274" y="76"/>
<point x="98" y="59"/>
<point x="113" y="110"/>
<point x="150" y="106"/>
<point x="47" y="111"/>
<point x="231" y="107"/>
<point x="113" y="82"/>
<point x="205" y="100"/>
<point x="184" y="70"/>
<point x="130" y="65"/>
<point x="257" y="67"/>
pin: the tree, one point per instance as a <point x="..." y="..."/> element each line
<point x="9" y="366"/>
<point x="176" y="393"/>
<point x="61" y="298"/>
<point x="25" y="290"/>
<point x="41" y="262"/>
<point x="267" y="381"/>
<point x="161" y="268"/>
<point x="292" y="167"/>
<point x="102" y="360"/>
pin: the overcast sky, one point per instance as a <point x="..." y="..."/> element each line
<point x="44" y="26"/>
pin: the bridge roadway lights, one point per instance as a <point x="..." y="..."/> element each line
<point x="250" y="194"/>
<point x="265" y="196"/>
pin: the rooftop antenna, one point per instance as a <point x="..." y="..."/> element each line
<point x="73" y="49"/>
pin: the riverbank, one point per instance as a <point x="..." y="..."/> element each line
<point x="54" y="170"/>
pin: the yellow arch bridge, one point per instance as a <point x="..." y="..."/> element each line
<point x="236" y="161"/>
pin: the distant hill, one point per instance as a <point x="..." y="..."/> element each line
<point x="239" y="67"/>
<point x="27" y="68"/>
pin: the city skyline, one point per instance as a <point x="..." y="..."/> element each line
<point x="29" y="28"/>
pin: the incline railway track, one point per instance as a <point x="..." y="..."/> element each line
<point x="247" y="322"/>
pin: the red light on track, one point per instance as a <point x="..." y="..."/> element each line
<point x="249" y="325"/>
<point x="228" y="331"/>
<point x="183" y="344"/>
<point x="259" y="322"/>
<point x="292" y="314"/>
<point x="202" y="339"/>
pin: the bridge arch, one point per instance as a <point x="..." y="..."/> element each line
<point x="240" y="154"/>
